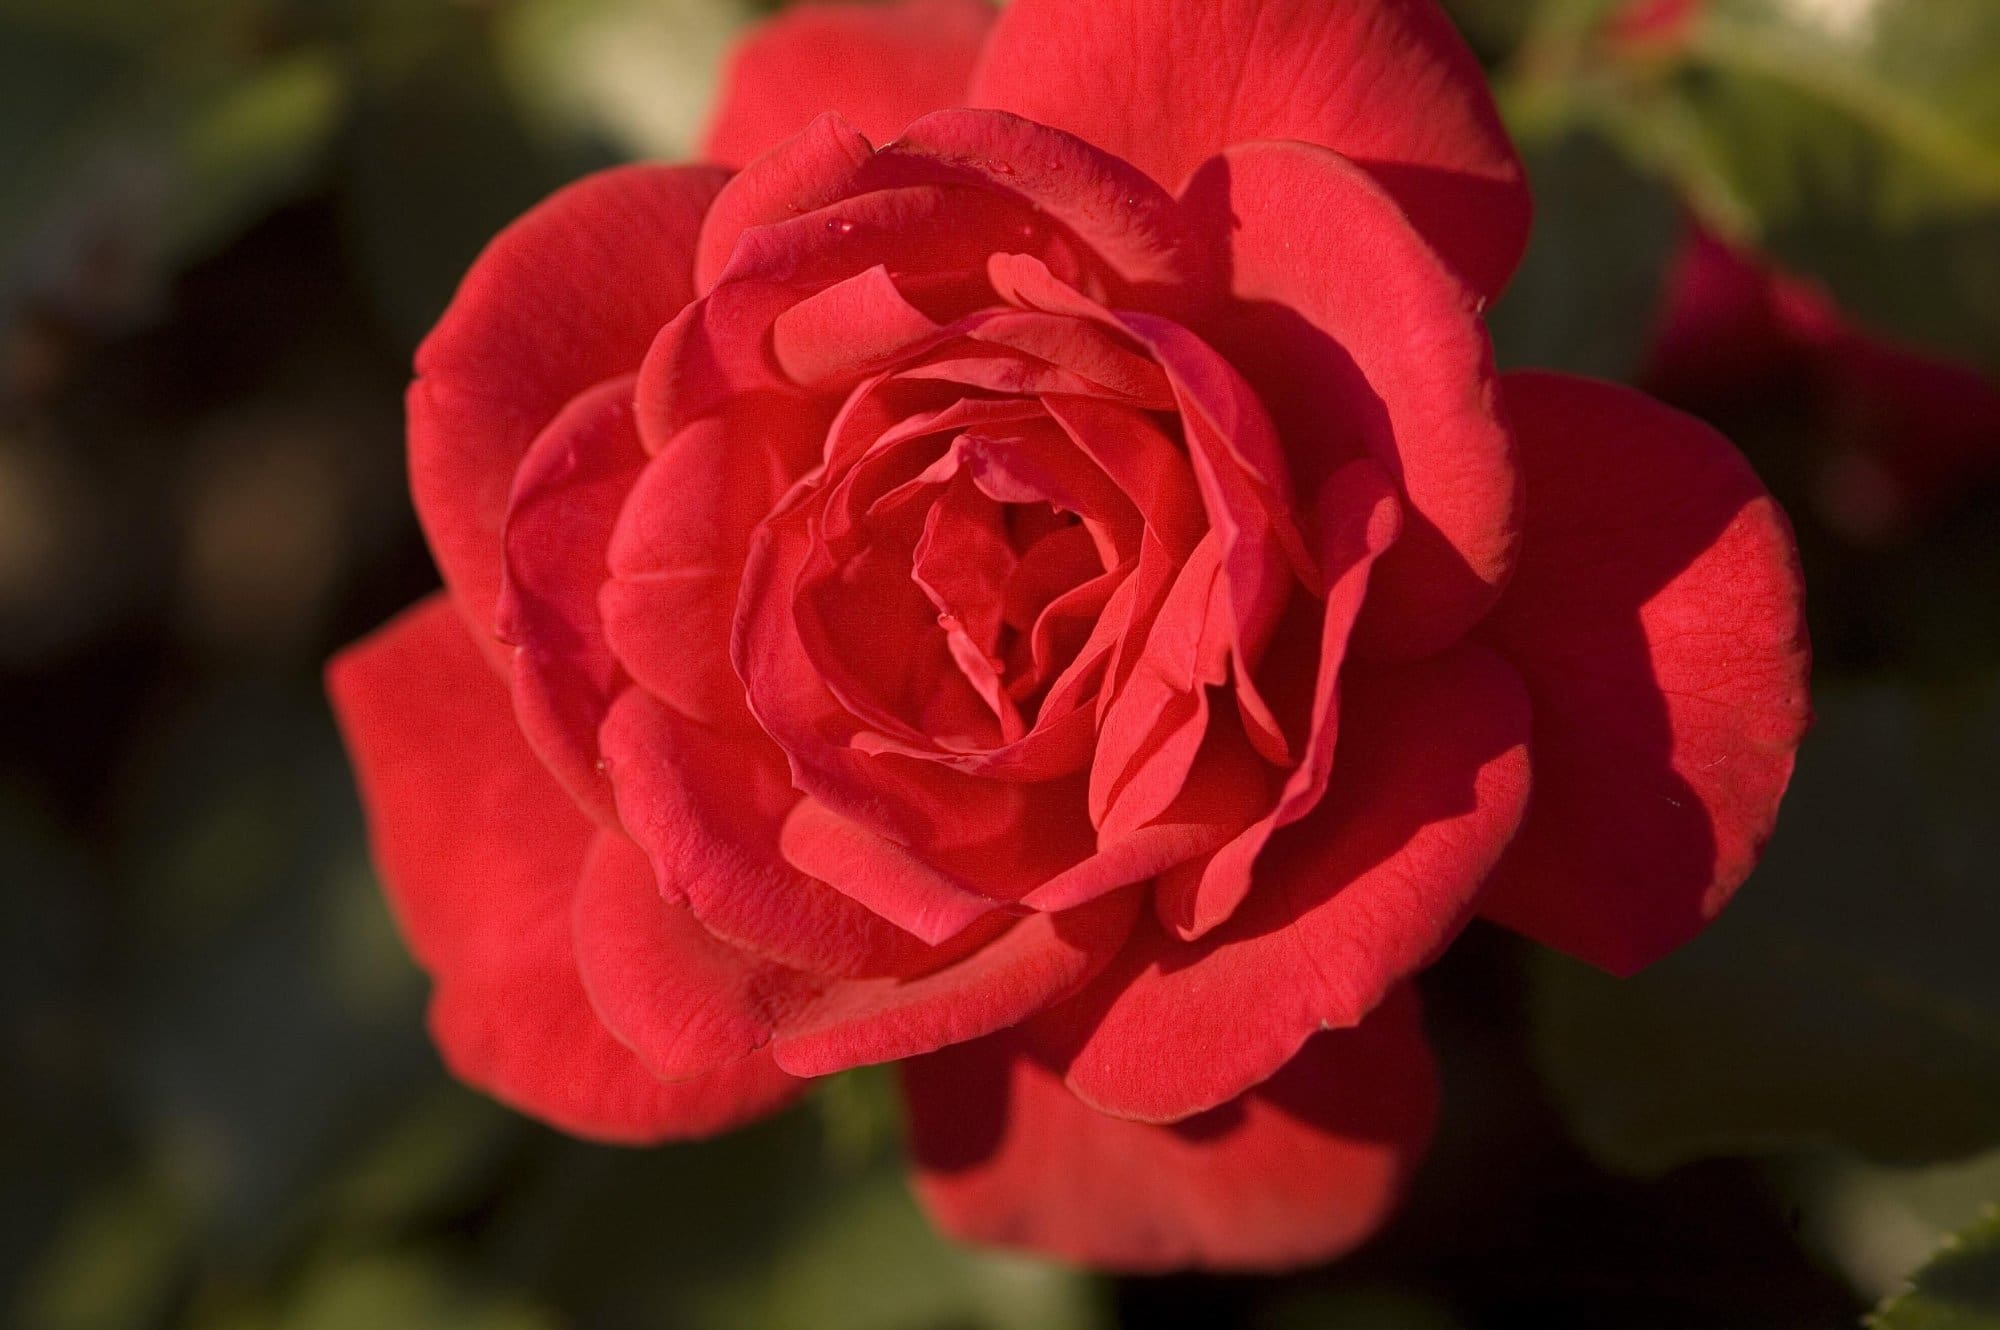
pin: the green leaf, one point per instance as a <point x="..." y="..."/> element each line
<point x="1584" y="296"/>
<point x="1877" y="1224"/>
<point x="438" y="1152"/>
<point x="403" y="1290"/>
<point x="1959" y="1289"/>
<point x="250" y="1059"/>
<point x="257" y="140"/>
<point x="1496" y="27"/>
<point x="858" y="1117"/>
<point x="1906" y="111"/>
<point x="1848" y="995"/>
<point x="54" y="86"/>
<point x="139" y="139"/>
<point x="112" y="1264"/>
<point x="1856" y="141"/>
<point x="440" y="159"/>
<point x="916" y="1279"/>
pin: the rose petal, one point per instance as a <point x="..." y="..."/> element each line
<point x="1361" y="343"/>
<point x="1228" y="786"/>
<point x="1358" y="522"/>
<point x="1084" y="348"/>
<point x="1301" y="1169"/>
<point x="707" y="807"/>
<point x="1155" y="724"/>
<point x="907" y="800"/>
<point x="527" y="1036"/>
<point x="713" y="358"/>
<point x="935" y="236"/>
<point x="1148" y="467"/>
<point x="676" y="556"/>
<point x="566" y="498"/>
<point x="1429" y="785"/>
<point x="886" y="877"/>
<point x="1247" y="488"/>
<point x="1037" y="961"/>
<point x="480" y="852"/>
<point x="1126" y="221"/>
<point x="880" y="65"/>
<point x="686" y="1003"/>
<point x="843" y="331"/>
<point x="570" y="295"/>
<point x="798" y="174"/>
<point x="1166" y="84"/>
<point x="1657" y="618"/>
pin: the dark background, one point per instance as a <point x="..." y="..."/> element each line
<point x="223" y="226"/>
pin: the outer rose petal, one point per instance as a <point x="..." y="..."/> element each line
<point x="879" y="65"/>
<point x="527" y="1037"/>
<point x="688" y="1002"/>
<point x="1166" y="84"/>
<point x="568" y="296"/>
<point x="566" y="498"/>
<point x="1429" y="784"/>
<point x="683" y="1000"/>
<point x="1357" y="337"/>
<point x="1037" y="961"/>
<point x="707" y="806"/>
<point x="1299" y="1170"/>
<point x="1657" y="617"/>
<point x="480" y="852"/>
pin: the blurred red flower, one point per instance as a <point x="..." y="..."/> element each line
<point x="1897" y="431"/>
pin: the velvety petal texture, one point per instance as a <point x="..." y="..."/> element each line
<point x="1431" y="782"/>
<point x="1299" y="1170"/>
<point x="1656" y="618"/>
<point x="567" y="496"/>
<point x="1167" y="84"/>
<point x="1362" y="340"/>
<point x="879" y="65"/>
<point x="481" y="854"/>
<point x="567" y="297"/>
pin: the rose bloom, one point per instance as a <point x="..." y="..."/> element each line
<point x="1023" y="567"/>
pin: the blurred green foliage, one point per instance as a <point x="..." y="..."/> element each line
<point x="142" y="136"/>
<point x="1849" y="995"/>
<point x="223" y="226"/>
<point x="1958" y="1289"/>
<point x="1857" y="140"/>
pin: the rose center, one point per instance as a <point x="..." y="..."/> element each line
<point x="962" y="560"/>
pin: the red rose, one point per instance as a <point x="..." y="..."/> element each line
<point x="1903" y="431"/>
<point x="1061" y="598"/>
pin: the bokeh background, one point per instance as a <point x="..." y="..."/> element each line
<point x="224" y="224"/>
